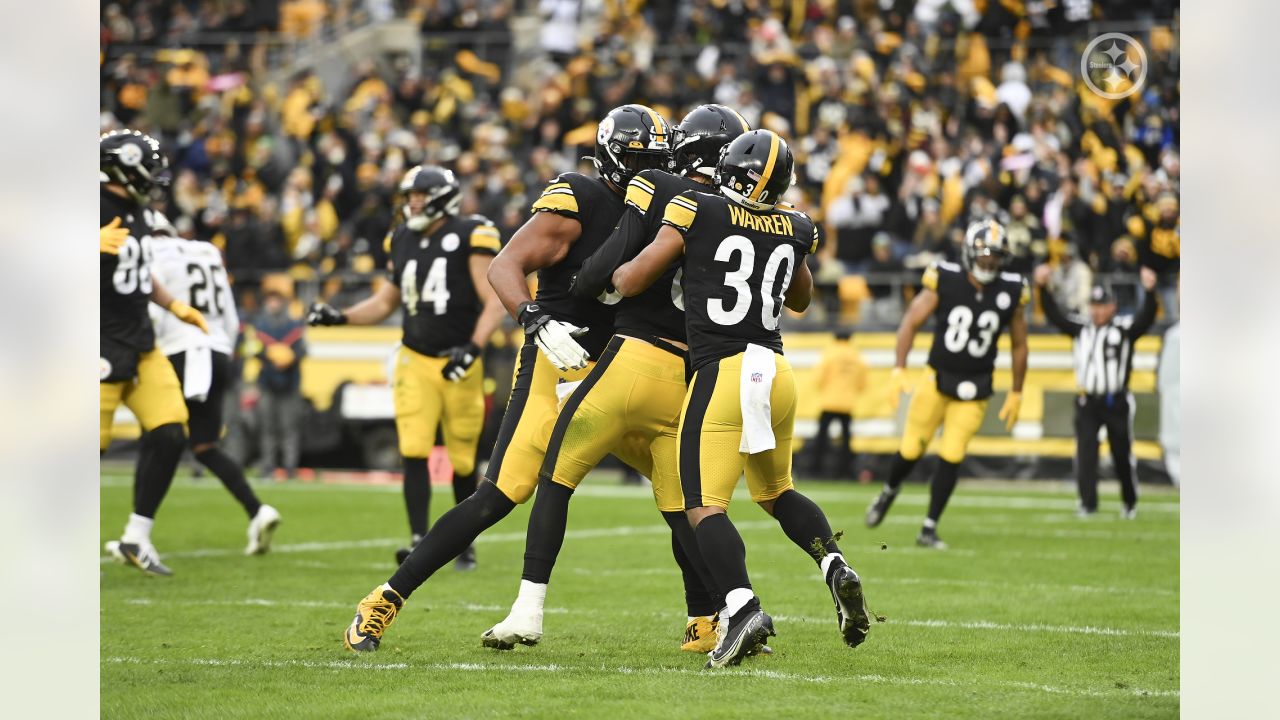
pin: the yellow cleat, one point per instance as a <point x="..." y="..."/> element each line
<point x="374" y="615"/>
<point x="700" y="634"/>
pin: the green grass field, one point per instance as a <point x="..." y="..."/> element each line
<point x="1031" y="614"/>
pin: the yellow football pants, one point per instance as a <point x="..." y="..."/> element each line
<point x="629" y="405"/>
<point x="711" y="430"/>
<point x="960" y="420"/>
<point x="154" y="397"/>
<point x="425" y="400"/>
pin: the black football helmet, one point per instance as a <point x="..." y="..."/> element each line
<point x="983" y="239"/>
<point x="631" y="138"/>
<point x="443" y="191"/>
<point x="133" y="160"/>
<point x="755" y="169"/>
<point x="701" y="135"/>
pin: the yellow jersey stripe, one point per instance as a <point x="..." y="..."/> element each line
<point x="930" y="278"/>
<point x="768" y="168"/>
<point x="679" y="215"/>
<point x="647" y="185"/>
<point x="556" y="202"/>
<point x="486" y="238"/>
<point x="686" y="204"/>
<point x="556" y="186"/>
<point x="639" y="196"/>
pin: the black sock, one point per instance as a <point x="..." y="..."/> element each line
<point x="805" y="524"/>
<point x="723" y="551"/>
<point x="944" y="482"/>
<point x="700" y="595"/>
<point x="232" y="477"/>
<point x="545" y="535"/>
<point x="417" y="494"/>
<point x="463" y="486"/>
<point x="157" y="461"/>
<point x="899" y="470"/>
<point x="452" y="533"/>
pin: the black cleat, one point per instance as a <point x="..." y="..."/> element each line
<point x="140" y="555"/>
<point x="467" y="560"/>
<point x="851" y="607"/>
<point x="747" y="630"/>
<point x="928" y="537"/>
<point x="880" y="507"/>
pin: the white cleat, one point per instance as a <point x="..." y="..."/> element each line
<point x="261" y="528"/>
<point x="518" y="628"/>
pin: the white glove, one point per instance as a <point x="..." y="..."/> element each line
<point x="557" y="341"/>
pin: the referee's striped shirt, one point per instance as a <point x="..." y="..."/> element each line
<point x="1103" y="354"/>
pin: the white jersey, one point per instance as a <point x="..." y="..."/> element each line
<point x="192" y="271"/>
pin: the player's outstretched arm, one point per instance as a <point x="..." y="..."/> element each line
<point x="924" y="304"/>
<point x="541" y="242"/>
<point x="636" y="276"/>
<point x="370" y="311"/>
<point x="1018" y="340"/>
<point x="184" y="312"/>
<point x="800" y="292"/>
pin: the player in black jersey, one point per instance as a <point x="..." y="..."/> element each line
<point x="132" y="370"/>
<point x="630" y="402"/>
<point x="563" y="337"/>
<point x="741" y="253"/>
<point x="972" y="304"/>
<point x="438" y="267"/>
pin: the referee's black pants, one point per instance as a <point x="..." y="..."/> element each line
<point x="1114" y="411"/>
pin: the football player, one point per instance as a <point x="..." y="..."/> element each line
<point x="633" y="394"/>
<point x="132" y="371"/>
<point x="563" y="338"/>
<point x="972" y="303"/>
<point x="438" y="264"/>
<point x="741" y="253"/>
<point x="194" y="270"/>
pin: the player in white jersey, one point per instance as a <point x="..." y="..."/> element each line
<point x="193" y="271"/>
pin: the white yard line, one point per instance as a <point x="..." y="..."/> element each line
<point x="625" y="670"/>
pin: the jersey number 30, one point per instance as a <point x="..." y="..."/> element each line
<point x="771" y="303"/>
<point x="957" y="337"/>
<point x="435" y="289"/>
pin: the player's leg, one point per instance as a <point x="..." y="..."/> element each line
<point x="710" y="464"/>
<point x="924" y="414"/>
<point x="846" y="445"/>
<point x="963" y="418"/>
<point x="770" y="482"/>
<point x="155" y="398"/>
<point x="418" y="406"/>
<point x="461" y="427"/>
<point x="1119" y="420"/>
<point x="1087" y="423"/>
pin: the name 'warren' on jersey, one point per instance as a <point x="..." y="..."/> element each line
<point x="738" y="264"/>
<point x="433" y="272"/>
<point x="969" y="320"/>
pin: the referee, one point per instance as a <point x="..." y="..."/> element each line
<point x="1102" y="349"/>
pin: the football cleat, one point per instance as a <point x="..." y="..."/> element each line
<point x="1130" y="512"/>
<point x="141" y="555"/>
<point x="403" y="553"/>
<point x="374" y="615"/>
<point x="518" y="628"/>
<point x="467" y="560"/>
<point x="700" y="634"/>
<point x="880" y="507"/>
<point x="928" y="537"/>
<point x="1085" y="513"/>
<point x="749" y="628"/>
<point x="261" y="528"/>
<point x="851" y="607"/>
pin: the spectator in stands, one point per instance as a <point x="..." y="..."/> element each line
<point x="885" y="305"/>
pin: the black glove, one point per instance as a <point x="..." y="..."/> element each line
<point x="532" y="317"/>
<point x="325" y="314"/>
<point x="461" y="358"/>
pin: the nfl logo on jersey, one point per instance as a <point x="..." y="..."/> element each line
<point x="757" y="377"/>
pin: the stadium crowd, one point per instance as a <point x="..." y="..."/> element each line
<point x="910" y="119"/>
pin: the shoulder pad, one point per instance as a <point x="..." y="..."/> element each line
<point x="947" y="266"/>
<point x="558" y="196"/>
<point x="1011" y="277"/>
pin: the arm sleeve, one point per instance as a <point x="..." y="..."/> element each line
<point x="625" y="243"/>
<point x="1145" y="317"/>
<point x="1055" y="315"/>
<point x="930" y="277"/>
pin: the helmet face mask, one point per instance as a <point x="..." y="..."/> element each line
<point x="133" y="160"/>
<point x="429" y="193"/>
<point x="629" y="140"/>
<point x="701" y="136"/>
<point x="755" y="170"/>
<point x="986" y="247"/>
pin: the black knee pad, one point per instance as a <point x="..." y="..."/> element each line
<point x="167" y="436"/>
<point x="489" y="501"/>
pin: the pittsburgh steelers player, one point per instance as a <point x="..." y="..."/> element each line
<point x="636" y="389"/>
<point x="563" y="338"/>
<point x="972" y="303"/>
<point x="132" y="370"/>
<point x="438" y="264"/>
<point x="741" y="252"/>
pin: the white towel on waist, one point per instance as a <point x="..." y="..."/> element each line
<point x="564" y="390"/>
<point x="758" y="369"/>
<point x="197" y="373"/>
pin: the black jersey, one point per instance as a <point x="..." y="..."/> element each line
<point x="659" y="310"/>
<point x="124" y="279"/>
<point x="968" y="321"/>
<point x="433" y="273"/>
<point x="738" y="264"/>
<point x="597" y="208"/>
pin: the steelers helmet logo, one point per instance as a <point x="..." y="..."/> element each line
<point x="130" y="155"/>
<point x="605" y="131"/>
<point x="1003" y="301"/>
<point x="104" y="368"/>
<point x="967" y="390"/>
<point x="450" y="242"/>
